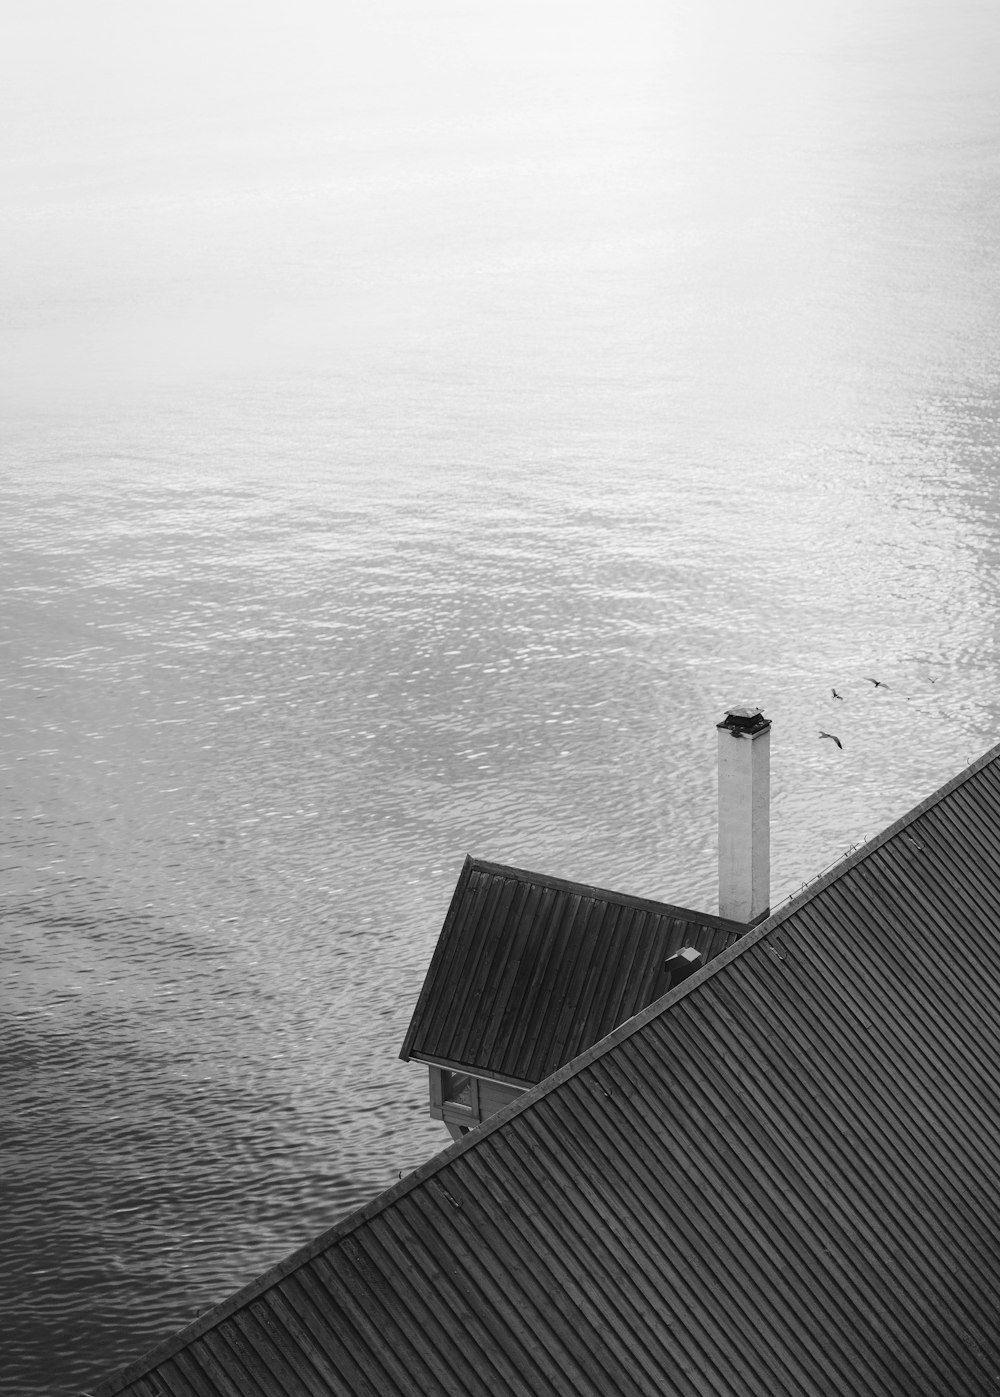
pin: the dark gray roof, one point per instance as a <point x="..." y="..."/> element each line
<point x="781" y="1178"/>
<point x="529" y="970"/>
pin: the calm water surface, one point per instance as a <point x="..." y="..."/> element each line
<point x="416" y="431"/>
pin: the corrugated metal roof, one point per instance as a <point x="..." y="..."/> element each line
<point x="529" y="971"/>
<point x="781" y="1178"/>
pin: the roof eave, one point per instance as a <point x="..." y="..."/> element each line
<point x="472" y="1070"/>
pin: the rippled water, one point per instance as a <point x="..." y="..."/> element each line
<point x="636" y="376"/>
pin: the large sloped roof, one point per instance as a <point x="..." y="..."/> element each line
<point x="781" y="1178"/>
<point x="529" y="970"/>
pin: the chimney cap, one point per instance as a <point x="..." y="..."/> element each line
<point x="739" y="720"/>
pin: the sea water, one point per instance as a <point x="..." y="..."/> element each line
<point x="417" y="428"/>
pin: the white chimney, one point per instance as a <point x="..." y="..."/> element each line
<point x="744" y="815"/>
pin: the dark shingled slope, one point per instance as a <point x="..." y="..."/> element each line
<point x="529" y="971"/>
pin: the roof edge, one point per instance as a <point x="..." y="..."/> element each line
<point x="871" y="845"/>
<point x="546" y="880"/>
<point x="451" y="1065"/>
<point x="438" y="952"/>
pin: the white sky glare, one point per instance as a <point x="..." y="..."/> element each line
<point x="197" y="188"/>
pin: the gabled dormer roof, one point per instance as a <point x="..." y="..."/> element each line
<point x="780" y="1178"/>
<point x="530" y="970"/>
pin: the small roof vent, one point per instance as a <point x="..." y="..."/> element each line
<point x="681" y="964"/>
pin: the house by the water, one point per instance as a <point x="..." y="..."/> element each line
<point x="529" y="970"/>
<point x="735" y="1154"/>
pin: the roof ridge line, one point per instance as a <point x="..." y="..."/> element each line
<point x="548" y="880"/>
<point x="869" y="846"/>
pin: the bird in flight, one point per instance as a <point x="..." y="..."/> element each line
<point x="879" y="683"/>
<point x="833" y="739"/>
<point x="836" y="695"/>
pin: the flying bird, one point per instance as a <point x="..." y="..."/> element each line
<point x="836" y="695"/>
<point x="833" y="739"/>
<point x="879" y="683"/>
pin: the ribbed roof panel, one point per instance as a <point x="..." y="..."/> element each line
<point x="530" y="971"/>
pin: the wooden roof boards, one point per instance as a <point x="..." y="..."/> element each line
<point x="779" y="1180"/>
<point x="529" y="971"/>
